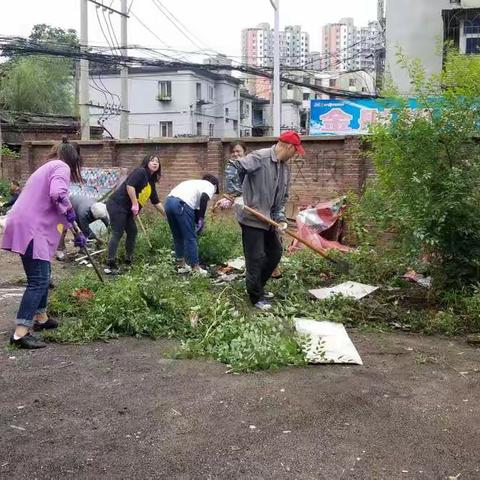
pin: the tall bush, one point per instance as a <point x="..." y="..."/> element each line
<point x="428" y="167"/>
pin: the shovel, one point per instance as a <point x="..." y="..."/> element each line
<point x="343" y="266"/>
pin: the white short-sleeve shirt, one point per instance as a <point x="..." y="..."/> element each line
<point x="191" y="191"/>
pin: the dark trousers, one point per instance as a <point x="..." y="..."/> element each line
<point x="35" y="297"/>
<point x="263" y="251"/>
<point x="122" y="221"/>
<point x="181" y="219"/>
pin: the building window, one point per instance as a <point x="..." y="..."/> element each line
<point x="166" y="129"/>
<point x="199" y="129"/>
<point x="306" y="96"/>
<point x="226" y="115"/>
<point x="210" y="92"/>
<point x="199" y="91"/>
<point x="351" y="82"/>
<point x="234" y="93"/>
<point x="164" y="90"/>
<point x="473" y="45"/>
<point x="211" y="130"/>
<point x="332" y="82"/>
<point x="235" y="124"/>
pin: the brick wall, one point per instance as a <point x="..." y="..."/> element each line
<point x="17" y="134"/>
<point x="331" y="165"/>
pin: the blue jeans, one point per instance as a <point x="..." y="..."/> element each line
<point x="181" y="219"/>
<point x="34" y="300"/>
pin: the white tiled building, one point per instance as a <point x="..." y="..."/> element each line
<point x="165" y="102"/>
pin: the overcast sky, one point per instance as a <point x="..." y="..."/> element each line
<point x="216" y="24"/>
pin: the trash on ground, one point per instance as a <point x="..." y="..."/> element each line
<point x="474" y="339"/>
<point x="328" y="342"/>
<point x="226" y="269"/>
<point x="413" y="276"/>
<point x="83" y="294"/>
<point x="17" y="428"/>
<point x="84" y="257"/>
<point x="322" y="225"/>
<point x="348" y="289"/>
<point x="226" y="278"/>
<point x="237" y="263"/>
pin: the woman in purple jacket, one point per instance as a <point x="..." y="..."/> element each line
<point x="33" y="230"/>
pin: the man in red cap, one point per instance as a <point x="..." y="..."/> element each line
<point x="262" y="177"/>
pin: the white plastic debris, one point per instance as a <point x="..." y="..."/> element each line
<point x="348" y="289"/>
<point x="237" y="263"/>
<point x="328" y="342"/>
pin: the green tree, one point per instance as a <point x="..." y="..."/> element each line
<point x="428" y="169"/>
<point x="40" y="83"/>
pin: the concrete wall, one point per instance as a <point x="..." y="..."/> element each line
<point x="331" y="165"/>
<point x="417" y="27"/>
<point x="290" y="116"/>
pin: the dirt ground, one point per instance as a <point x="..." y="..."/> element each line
<point x="126" y="409"/>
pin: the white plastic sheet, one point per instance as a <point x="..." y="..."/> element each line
<point x="347" y="289"/>
<point x="328" y="342"/>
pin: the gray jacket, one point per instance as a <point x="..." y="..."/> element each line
<point x="263" y="181"/>
<point x="82" y="206"/>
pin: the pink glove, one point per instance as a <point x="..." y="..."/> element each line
<point x="135" y="209"/>
<point x="224" y="203"/>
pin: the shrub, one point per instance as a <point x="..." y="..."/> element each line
<point x="428" y="167"/>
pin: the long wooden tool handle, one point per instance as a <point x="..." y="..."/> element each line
<point x="144" y="231"/>
<point x="307" y="243"/>
<point x="76" y="229"/>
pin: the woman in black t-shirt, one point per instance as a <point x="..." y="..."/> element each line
<point x="125" y="204"/>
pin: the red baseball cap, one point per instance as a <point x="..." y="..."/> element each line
<point x="294" y="139"/>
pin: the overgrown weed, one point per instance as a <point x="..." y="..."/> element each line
<point x="216" y="321"/>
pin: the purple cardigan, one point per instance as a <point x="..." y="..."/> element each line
<point x="39" y="212"/>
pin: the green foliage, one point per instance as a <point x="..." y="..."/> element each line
<point x="219" y="242"/>
<point x="40" y="83"/>
<point x="217" y="321"/>
<point x="4" y="188"/>
<point x="428" y="169"/>
<point x="8" y="152"/>
<point x="154" y="301"/>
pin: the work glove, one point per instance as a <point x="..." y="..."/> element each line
<point x="282" y="226"/>
<point x="80" y="240"/>
<point x="135" y="209"/>
<point x="200" y="225"/>
<point x="71" y="216"/>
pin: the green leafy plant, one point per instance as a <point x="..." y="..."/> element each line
<point x="428" y="168"/>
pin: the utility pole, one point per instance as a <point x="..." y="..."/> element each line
<point x="277" y="95"/>
<point x="124" y="73"/>
<point x="84" y="97"/>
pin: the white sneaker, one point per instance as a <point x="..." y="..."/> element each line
<point x="200" y="271"/>
<point x="184" y="269"/>
<point x="263" y="305"/>
<point x="268" y="295"/>
<point x="59" y="255"/>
